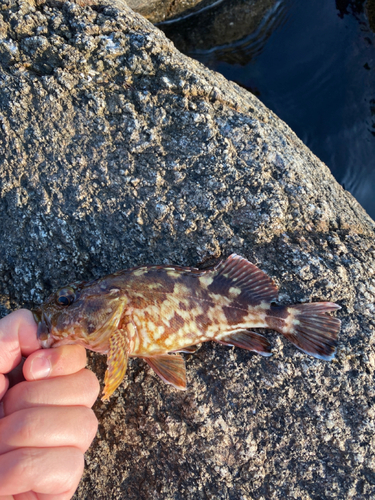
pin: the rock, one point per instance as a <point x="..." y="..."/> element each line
<point x="235" y="29"/>
<point x="119" y="151"/>
<point x="153" y="10"/>
<point x="160" y="10"/>
<point x="370" y="11"/>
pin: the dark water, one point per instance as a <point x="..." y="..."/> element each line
<point x="311" y="62"/>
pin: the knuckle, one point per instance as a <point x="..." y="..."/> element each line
<point x="23" y="466"/>
<point x="19" y="392"/>
<point x="76" y="462"/>
<point x="92" y="386"/>
<point x="26" y="425"/>
<point x="66" y="463"/>
<point x="26" y="465"/>
<point x="89" y="424"/>
<point x="92" y="423"/>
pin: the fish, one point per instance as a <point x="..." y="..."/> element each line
<point x="157" y="312"/>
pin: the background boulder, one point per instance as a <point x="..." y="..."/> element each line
<point x="160" y="10"/>
<point x="116" y="151"/>
<point x="228" y="28"/>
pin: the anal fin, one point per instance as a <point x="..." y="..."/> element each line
<point x="170" y="368"/>
<point x="191" y="349"/>
<point x="117" y="361"/>
<point x="248" y="340"/>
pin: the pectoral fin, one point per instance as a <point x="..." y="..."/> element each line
<point x="117" y="361"/>
<point x="170" y="368"/>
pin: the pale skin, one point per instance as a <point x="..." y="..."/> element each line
<point x="46" y="421"/>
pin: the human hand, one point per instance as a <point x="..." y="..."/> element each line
<point x="46" y="421"/>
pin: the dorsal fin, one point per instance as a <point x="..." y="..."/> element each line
<point x="246" y="281"/>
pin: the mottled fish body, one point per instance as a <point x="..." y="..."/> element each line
<point x="153" y="311"/>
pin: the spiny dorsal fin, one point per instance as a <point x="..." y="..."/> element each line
<point x="170" y="368"/>
<point x="252" y="284"/>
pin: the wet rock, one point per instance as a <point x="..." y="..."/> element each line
<point x="159" y="10"/>
<point x="370" y="11"/>
<point x="119" y="151"/>
<point x="154" y="10"/>
<point x="236" y="30"/>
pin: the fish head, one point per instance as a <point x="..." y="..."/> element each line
<point x="80" y="313"/>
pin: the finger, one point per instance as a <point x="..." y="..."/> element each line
<point x="48" y="427"/>
<point x="44" y="470"/>
<point x="4" y="383"/>
<point x="78" y="389"/>
<point x="30" y="495"/>
<point x="56" y="362"/>
<point x="17" y="338"/>
<point x="16" y="375"/>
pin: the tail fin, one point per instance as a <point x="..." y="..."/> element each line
<point x="312" y="330"/>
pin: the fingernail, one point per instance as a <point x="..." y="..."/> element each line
<point x="40" y="367"/>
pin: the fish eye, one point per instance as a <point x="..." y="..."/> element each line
<point x="65" y="296"/>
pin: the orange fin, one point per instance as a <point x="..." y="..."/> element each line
<point x="248" y="340"/>
<point x="117" y="361"/>
<point x="313" y="331"/>
<point x="238" y="273"/>
<point x="170" y="368"/>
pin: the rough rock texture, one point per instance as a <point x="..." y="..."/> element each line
<point x="116" y="151"/>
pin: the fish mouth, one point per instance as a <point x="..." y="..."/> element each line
<point x="44" y="326"/>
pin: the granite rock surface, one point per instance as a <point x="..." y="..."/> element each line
<point x="116" y="151"/>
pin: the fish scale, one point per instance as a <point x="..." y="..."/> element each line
<point x="154" y="312"/>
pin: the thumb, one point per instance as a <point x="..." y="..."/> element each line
<point x="17" y="338"/>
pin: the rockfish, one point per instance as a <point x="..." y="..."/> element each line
<point x="156" y="312"/>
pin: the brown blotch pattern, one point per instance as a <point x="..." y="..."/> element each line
<point x="279" y="312"/>
<point x="176" y="322"/>
<point x="220" y="285"/>
<point x="205" y="300"/>
<point x="202" y="321"/>
<point x="139" y="301"/>
<point x="247" y="298"/>
<point x="234" y="315"/>
<point x="276" y="316"/>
